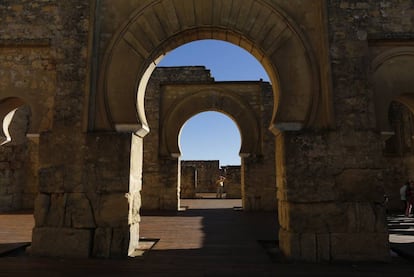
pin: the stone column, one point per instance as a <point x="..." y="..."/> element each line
<point x="232" y="185"/>
<point x="329" y="199"/>
<point x="134" y="194"/>
<point x="188" y="178"/>
<point x="161" y="185"/>
<point x="259" y="184"/>
<point x="82" y="207"/>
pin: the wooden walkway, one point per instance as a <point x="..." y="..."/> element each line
<point x="209" y="238"/>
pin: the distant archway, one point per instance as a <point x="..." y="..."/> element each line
<point x="394" y="106"/>
<point x="157" y="27"/>
<point x="14" y="115"/>
<point x="210" y="143"/>
<point x="392" y="79"/>
<point x="210" y="99"/>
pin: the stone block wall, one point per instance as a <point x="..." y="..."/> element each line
<point x="232" y="184"/>
<point x="160" y="174"/>
<point x="329" y="199"/>
<point x="337" y="175"/>
<point x="207" y="174"/>
<point x="160" y="185"/>
<point x="86" y="204"/>
<point x="12" y="176"/>
<point x="259" y="187"/>
<point x="19" y="164"/>
<point x="373" y="28"/>
<point x="81" y="209"/>
<point x="330" y="182"/>
<point x="188" y="182"/>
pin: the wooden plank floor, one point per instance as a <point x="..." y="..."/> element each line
<point x="15" y="230"/>
<point x="216" y="241"/>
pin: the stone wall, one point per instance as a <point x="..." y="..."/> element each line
<point x="259" y="188"/>
<point x="188" y="182"/>
<point x="81" y="209"/>
<point x="27" y="73"/>
<point x="12" y="176"/>
<point x="172" y="87"/>
<point x="374" y="28"/>
<point x="201" y="176"/>
<point x="232" y="184"/>
<point x="332" y="185"/>
<point x="160" y="174"/>
<point x="19" y="164"/>
<point x="207" y="174"/>
<point x="330" y="181"/>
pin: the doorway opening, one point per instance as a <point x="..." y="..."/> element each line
<point x="210" y="144"/>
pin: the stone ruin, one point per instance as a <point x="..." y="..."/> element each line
<point x="340" y="121"/>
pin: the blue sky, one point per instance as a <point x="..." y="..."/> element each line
<point x="212" y="135"/>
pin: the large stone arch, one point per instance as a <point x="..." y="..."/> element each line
<point x="392" y="79"/>
<point x="210" y="100"/>
<point x="160" y="26"/>
<point x="18" y="180"/>
<point x="156" y="27"/>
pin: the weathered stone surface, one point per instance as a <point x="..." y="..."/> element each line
<point x="134" y="200"/>
<point x="112" y="210"/>
<point x="344" y="58"/>
<point x="174" y="96"/>
<point x="332" y="217"/>
<point x="232" y="185"/>
<point x="41" y="209"/>
<point x="78" y="212"/>
<point x="61" y="242"/>
<point x="360" y="246"/>
<point x="207" y="174"/>
<point x="360" y="185"/>
<point x="102" y="242"/>
<point x="325" y="247"/>
<point x="51" y="180"/>
<point x="120" y="242"/>
<point x="133" y="238"/>
<point x="56" y="210"/>
<point x="188" y="181"/>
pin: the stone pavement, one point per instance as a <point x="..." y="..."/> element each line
<point x="401" y="231"/>
<point x="217" y="241"/>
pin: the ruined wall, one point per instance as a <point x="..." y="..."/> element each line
<point x="172" y="87"/>
<point x="201" y="176"/>
<point x="232" y="184"/>
<point x="81" y="209"/>
<point x="12" y="177"/>
<point x="337" y="176"/>
<point x="188" y="182"/>
<point x="19" y="165"/>
<point x="259" y="188"/>
<point x="160" y="174"/>
<point x="27" y="72"/>
<point x="207" y="174"/>
<point x="330" y="181"/>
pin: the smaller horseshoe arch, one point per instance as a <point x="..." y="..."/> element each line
<point x="209" y="99"/>
<point x="9" y="107"/>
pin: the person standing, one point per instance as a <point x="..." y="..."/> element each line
<point x="410" y="199"/>
<point x="220" y="186"/>
<point x="403" y="196"/>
